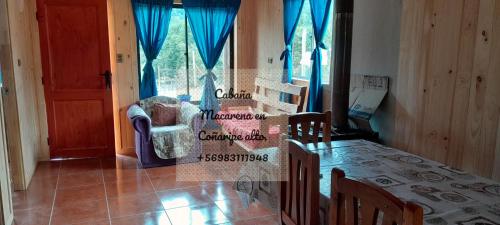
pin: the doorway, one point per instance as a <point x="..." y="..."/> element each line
<point x="76" y="65"/>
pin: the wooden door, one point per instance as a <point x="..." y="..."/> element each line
<point x="6" y="208"/>
<point x="75" y="51"/>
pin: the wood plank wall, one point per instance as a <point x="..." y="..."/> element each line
<point x="448" y="88"/>
<point x="259" y="34"/>
<point x="20" y="67"/>
<point x="126" y="80"/>
<point x="246" y="39"/>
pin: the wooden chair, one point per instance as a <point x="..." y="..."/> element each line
<point x="300" y="194"/>
<point x="306" y="120"/>
<point x="349" y="196"/>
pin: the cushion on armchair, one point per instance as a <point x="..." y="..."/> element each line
<point x="163" y="114"/>
<point x="148" y="103"/>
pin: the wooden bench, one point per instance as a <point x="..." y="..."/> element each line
<point x="266" y="100"/>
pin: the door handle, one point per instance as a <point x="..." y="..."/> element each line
<point x="107" y="78"/>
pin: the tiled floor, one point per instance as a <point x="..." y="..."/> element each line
<point x="116" y="191"/>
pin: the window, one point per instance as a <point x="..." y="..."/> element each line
<point x="179" y="66"/>
<point x="304" y="43"/>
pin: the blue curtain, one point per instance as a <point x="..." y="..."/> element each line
<point x="291" y="15"/>
<point x="211" y="22"/>
<point x="320" y="13"/>
<point x="152" y="18"/>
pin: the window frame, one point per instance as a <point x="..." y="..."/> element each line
<point x="330" y="41"/>
<point x="229" y="49"/>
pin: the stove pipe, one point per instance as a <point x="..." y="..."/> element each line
<point x="342" y="64"/>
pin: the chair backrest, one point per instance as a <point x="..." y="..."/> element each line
<point x="300" y="194"/>
<point x="353" y="203"/>
<point x="267" y="95"/>
<point x="317" y="121"/>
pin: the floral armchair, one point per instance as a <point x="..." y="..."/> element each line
<point x="166" y="145"/>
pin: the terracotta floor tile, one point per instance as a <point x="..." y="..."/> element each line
<point x="131" y="205"/>
<point x="235" y="210"/>
<point x="79" y="165"/>
<point x="80" y="212"/>
<point x="151" y="218"/>
<point x="43" y="184"/>
<point x="35" y="216"/>
<point x="161" y="171"/>
<point x="32" y="199"/>
<point x="47" y="169"/>
<point x="169" y="182"/>
<point x="184" y="197"/>
<point x="141" y="185"/>
<point x="100" y="222"/>
<point x="86" y="163"/>
<point x="222" y="191"/>
<point x="80" y="179"/>
<point x="198" y="215"/>
<point x="199" y="172"/>
<point x="74" y="170"/>
<point x="81" y="193"/>
<point x="268" y="220"/>
<point x="113" y="175"/>
<point x="120" y="162"/>
<point x="80" y="187"/>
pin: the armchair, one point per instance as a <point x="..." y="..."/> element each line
<point x="188" y="120"/>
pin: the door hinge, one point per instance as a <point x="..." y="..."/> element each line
<point x="48" y="141"/>
<point x="43" y="81"/>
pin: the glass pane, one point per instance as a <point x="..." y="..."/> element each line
<point x="303" y="46"/>
<point x="197" y="69"/>
<point x="170" y="64"/>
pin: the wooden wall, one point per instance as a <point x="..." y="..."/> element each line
<point x="43" y="151"/>
<point x="21" y="105"/>
<point x="126" y="85"/>
<point x="259" y="34"/>
<point x="9" y="99"/>
<point x="245" y="51"/>
<point x="6" y="209"/>
<point x="448" y="88"/>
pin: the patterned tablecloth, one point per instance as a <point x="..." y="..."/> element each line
<point x="447" y="196"/>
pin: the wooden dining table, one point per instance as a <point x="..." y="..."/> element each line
<point x="447" y="196"/>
